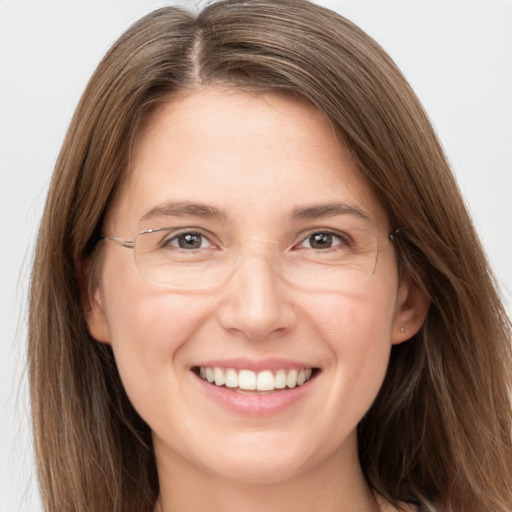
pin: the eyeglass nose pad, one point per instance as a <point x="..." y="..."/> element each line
<point x="266" y="249"/>
<point x="253" y="301"/>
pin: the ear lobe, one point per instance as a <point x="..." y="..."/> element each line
<point x="411" y="310"/>
<point x="92" y="303"/>
<point x="95" y="317"/>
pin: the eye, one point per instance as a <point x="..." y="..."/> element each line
<point x="189" y="240"/>
<point x="322" y="240"/>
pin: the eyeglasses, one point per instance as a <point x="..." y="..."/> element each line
<point x="193" y="259"/>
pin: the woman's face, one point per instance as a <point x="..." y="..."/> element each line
<point x="278" y="266"/>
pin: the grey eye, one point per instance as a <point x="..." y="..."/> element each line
<point x="189" y="240"/>
<point x="321" y="240"/>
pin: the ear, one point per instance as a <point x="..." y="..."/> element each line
<point x="96" y="318"/>
<point x="92" y="304"/>
<point x="411" y="310"/>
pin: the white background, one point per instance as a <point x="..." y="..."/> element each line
<point x="456" y="53"/>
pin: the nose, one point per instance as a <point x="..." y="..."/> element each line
<point x="255" y="302"/>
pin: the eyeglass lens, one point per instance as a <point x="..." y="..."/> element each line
<point x="324" y="261"/>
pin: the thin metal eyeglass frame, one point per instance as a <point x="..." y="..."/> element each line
<point x="130" y="244"/>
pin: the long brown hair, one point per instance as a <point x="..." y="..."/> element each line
<point x="439" y="433"/>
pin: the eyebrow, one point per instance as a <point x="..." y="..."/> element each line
<point x="327" y="210"/>
<point x="183" y="209"/>
<point x="205" y="211"/>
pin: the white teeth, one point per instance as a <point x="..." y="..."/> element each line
<point x="231" y="378"/>
<point x="265" y="381"/>
<point x="247" y="380"/>
<point x="280" y="379"/>
<point x="291" y="379"/>
<point x="219" y="376"/>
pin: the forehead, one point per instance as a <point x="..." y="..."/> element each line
<point x="242" y="153"/>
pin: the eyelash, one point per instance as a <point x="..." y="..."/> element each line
<point x="343" y="240"/>
<point x="167" y="243"/>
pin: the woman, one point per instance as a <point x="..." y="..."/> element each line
<point x="256" y="284"/>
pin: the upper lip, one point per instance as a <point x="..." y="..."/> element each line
<point x="258" y="365"/>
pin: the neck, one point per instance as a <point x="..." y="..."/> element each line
<point x="335" y="485"/>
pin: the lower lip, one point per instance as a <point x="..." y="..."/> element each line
<point x="253" y="404"/>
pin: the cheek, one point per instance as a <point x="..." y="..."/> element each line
<point x="357" y="330"/>
<point x="151" y="322"/>
<point x="148" y="340"/>
<point x="141" y="313"/>
<point x="148" y="327"/>
<point x="355" y="321"/>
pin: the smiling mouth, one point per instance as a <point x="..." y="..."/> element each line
<point x="248" y="381"/>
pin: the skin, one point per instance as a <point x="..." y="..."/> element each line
<point x="256" y="157"/>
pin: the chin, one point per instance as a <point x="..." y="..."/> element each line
<point x="270" y="457"/>
<point x="259" y="471"/>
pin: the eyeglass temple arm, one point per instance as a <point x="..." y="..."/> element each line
<point x="131" y="244"/>
<point x="118" y="241"/>
<point x="395" y="234"/>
